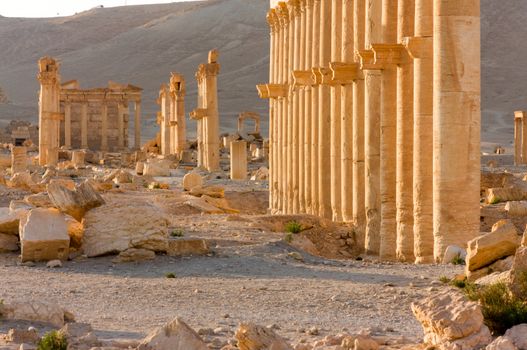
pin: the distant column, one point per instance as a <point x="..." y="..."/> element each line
<point x="84" y="125"/>
<point x="137" y="125"/>
<point x="165" y="120"/>
<point x="120" y="125"/>
<point x="177" y="87"/>
<point x="104" y="127"/>
<point x="518" y="137"/>
<point x="457" y="116"/>
<point x="67" y="125"/>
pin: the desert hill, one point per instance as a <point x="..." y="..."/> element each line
<point x="143" y="44"/>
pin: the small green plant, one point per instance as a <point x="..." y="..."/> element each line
<point x="495" y="200"/>
<point x="288" y="237"/>
<point x="293" y="227"/>
<point x="52" y="341"/>
<point x="177" y="233"/>
<point x="444" y="279"/>
<point x="458" y="260"/>
<point x="170" y="275"/>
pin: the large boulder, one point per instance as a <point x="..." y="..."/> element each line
<point x="192" y="180"/>
<point x="486" y="249"/>
<point x="514" y="339"/>
<point x="450" y="321"/>
<point x="175" y="335"/>
<point x="254" y="337"/>
<point x="44" y="235"/>
<point x="77" y="202"/>
<point x="49" y="313"/>
<point x="118" y="226"/>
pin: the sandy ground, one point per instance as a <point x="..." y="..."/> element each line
<point x="249" y="276"/>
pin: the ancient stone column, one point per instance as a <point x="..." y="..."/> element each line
<point x="49" y="111"/>
<point x="238" y="160"/>
<point x="301" y="126"/>
<point x="358" y="198"/>
<point x="104" y="127"/>
<point x="335" y="114"/>
<point x="388" y="231"/>
<point x="405" y="130"/>
<point x="207" y="112"/>
<point x="178" y="123"/>
<point x="18" y="159"/>
<point x="295" y="102"/>
<point x="137" y="125"/>
<point x="283" y="17"/>
<point x="457" y="116"/>
<point x="372" y="116"/>
<point x="290" y="34"/>
<point x="315" y="113"/>
<point x="163" y="103"/>
<point x="84" y="125"/>
<point x="67" y="125"/>
<point x="120" y="124"/>
<point x="518" y="139"/>
<point x="324" y="113"/>
<point x="308" y="59"/>
<point x="420" y="49"/>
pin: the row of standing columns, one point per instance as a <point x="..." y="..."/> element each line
<point x="359" y="130"/>
<point x="172" y="116"/>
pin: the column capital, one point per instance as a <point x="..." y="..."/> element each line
<point x="519" y="114"/>
<point x="207" y="70"/>
<point x="419" y="47"/>
<point x="344" y="73"/>
<point x="283" y="14"/>
<point x="273" y="21"/>
<point x="388" y="54"/>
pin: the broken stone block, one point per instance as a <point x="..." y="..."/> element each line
<point x="75" y="203"/>
<point x="486" y="249"/>
<point x="191" y="180"/>
<point x="116" y="227"/>
<point x="211" y="191"/>
<point x="516" y="208"/>
<point x="133" y="255"/>
<point x="9" y="222"/>
<point x="220" y="203"/>
<point x="40" y="200"/>
<point x="8" y="243"/>
<point x="20" y="336"/>
<point x="44" y="236"/>
<point x="504" y="194"/>
<point x="254" y="337"/>
<point x="68" y="183"/>
<point x="21" y="180"/>
<point x="175" y="335"/>
<point x="77" y="159"/>
<point x="201" y="205"/>
<point x="75" y="231"/>
<point x="450" y="321"/>
<point x="37" y="311"/>
<point x="122" y="177"/>
<point x="260" y="174"/>
<point x="157" y="168"/>
<point x="139" y="168"/>
<point x="187" y="246"/>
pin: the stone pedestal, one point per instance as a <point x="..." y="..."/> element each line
<point x="77" y="158"/>
<point x="18" y="159"/>
<point x="238" y="160"/>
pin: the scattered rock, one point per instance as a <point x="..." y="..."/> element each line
<point x="486" y="249"/>
<point x="20" y="336"/>
<point x="253" y="337"/>
<point x="77" y="202"/>
<point x="44" y="235"/>
<point x="36" y="311"/>
<point x="157" y="168"/>
<point x="133" y="255"/>
<point x="175" y="335"/>
<point x="54" y="263"/>
<point x="211" y="191"/>
<point x="452" y="252"/>
<point x="450" y="321"/>
<point x="187" y="246"/>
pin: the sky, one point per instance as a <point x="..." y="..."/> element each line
<point x="52" y="8"/>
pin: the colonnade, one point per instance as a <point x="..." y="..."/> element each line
<point x="172" y="116"/>
<point x="375" y="119"/>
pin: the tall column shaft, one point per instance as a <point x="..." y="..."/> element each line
<point x="67" y="125"/>
<point x="405" y="130"/>
<point x="137" y="125"/>
<point x="335" y="114"/>
<point x="272" y="112"/>
<point x="104" y="127"/>
<point x="84" y="125"/>
<point x="295" y="101"/>
<point x="358" y="196"/>
<point x="372" y="113"/>
<point x="324" y="111"/>
<point x="301" y="126"/>
<point x="388" y="136"/>
<point x="518" y="121"/>
<point x="308" y="14"/>
<point x="457" y="116"/>
<point x="315" y="113"/>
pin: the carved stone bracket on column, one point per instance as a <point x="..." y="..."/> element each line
<point x="344" y="73"/>
<point x="277" y="90"/>
<point x="367" y="60"/>
<point x="302" y="78"/>
<point x="173" y="123"/>
<point x="198" y="113"/>
<point x="263" y="92"/>
<point x="316" y="76"/>
<point x="419" y="47"/>
<point x="388" y="54"/>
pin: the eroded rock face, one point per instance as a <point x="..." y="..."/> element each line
<point x="44" y="235"/>
<point x="117" y="227"/>
<point x="254" y="337"/>
<point x="450" y="321"/>
<point x="77" y="202"/>
<point x="175" y="335"/>
<point x="487" y="248"/>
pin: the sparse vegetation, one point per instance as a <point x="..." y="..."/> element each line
<point x="495" y="200"/>
<point x="53" y="341"/>
<point x="288" y="237"/>
<point x="458" y="260"/>
<point x="170" y="275"/>
<point x="444" y="279"/>
<point x="293" y="227"/>
<point x="177" y="233"/>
